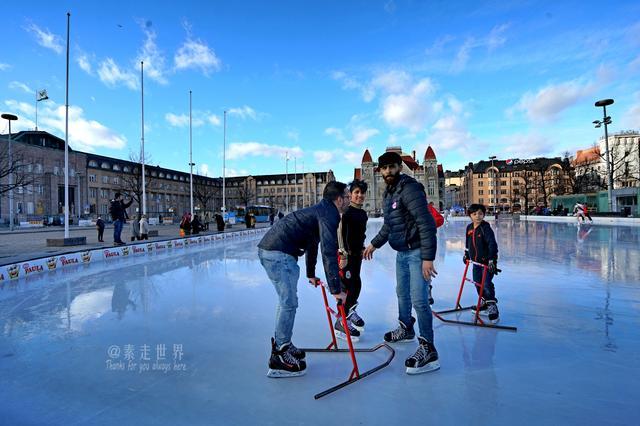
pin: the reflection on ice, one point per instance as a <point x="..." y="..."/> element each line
<point x="573" y="292"/>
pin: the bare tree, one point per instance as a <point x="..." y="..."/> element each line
<point x="131" y="183"/>
<point x="206" y="193"/>
<point x="18" y="167"/>
<point x="621" y="162"/>
<point x="246" y="195"/>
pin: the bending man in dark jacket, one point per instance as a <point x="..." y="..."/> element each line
<point x="296" y="234"/>
<point x="411" y="231"/>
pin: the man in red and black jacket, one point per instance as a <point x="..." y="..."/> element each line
<point x="481" y="247"/>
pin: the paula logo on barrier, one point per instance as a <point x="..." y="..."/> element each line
<point x="138" y="249"/>
<point x="68" y="260"/>
<point x="85" y="256"/>
<point x="161" y="246"/>
<point x="108" y="254"/>
<point x="30" y="269"/>
<point x="52" y="262"/>
<point x="169" y="244"/>
<point x="149" y="247"/>
<point x="125" y="251"/>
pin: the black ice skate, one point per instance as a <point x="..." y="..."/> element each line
<point x="296" y="352"/>
<point x="424" y="360"/>
<point x="492" y="311"/>
<point x="355" y="319"/>
<point x="340" y="333"/>
<point x="401" y="334"/>
<point x="283" y="364"/>
<point x="483" y="308"/>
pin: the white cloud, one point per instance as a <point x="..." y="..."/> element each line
<point x="492" y="41"/>
<point x="46" y="38"/>
<point x="204" y="170"/>
<point x="150" y="54"/>
<point x="294" y="135"/>
<point x="174" y="120"/>
<point x="349" y="83"/>
<point x="527" y="145"/>
<point x="449" y="132"/>
<point x="239" y="150"/>
<point x="410" y="109"/>
<point x="545" y="105"/>
<point x="323" y="157"/>
<point x="244" y="112"/>
<point x="332" y="131"/>
<point x="214" y="120"/>
<point x="361" y="135"/>
<point x="20" y="86"/>
<point x="230" y="172"/>
<point x="4" y="67"/>
<point x="198" y="119"/>
<point x="196" y="54"/>
<point x="462" y="57"/>
<point x="84" y="134"/>
<point x="84" y="63"/>
<point x="112" y="75"/>
<point x="631" y="118"/>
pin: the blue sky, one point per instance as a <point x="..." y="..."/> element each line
<point x="323" y="80"/>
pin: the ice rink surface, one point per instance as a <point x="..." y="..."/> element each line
<point x="75" y="344"/>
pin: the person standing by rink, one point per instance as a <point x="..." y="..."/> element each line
<point x="100" y="227"/>
<point x="411" y="231"/>
<point x="481" y="247"/>
<point x="351" y="235"/>
<point x="296" y="234"/>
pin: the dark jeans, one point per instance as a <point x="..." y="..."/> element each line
<point x="100" y="234"/>
<point x="352" y="281"/>
<point x="489" y="289"/>
<point x="117" y="230"/>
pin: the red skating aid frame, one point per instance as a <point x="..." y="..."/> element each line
<point x="477" y="321"/>
<point x="333" y="347"/>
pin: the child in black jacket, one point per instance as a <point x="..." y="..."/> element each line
<point x="481" y="247"/>
<point x="351" y="236"/>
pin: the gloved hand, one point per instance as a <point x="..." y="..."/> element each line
<point x="493" y="267"/>
<point x="465" y="258"/>
<point x="315" y="281"/>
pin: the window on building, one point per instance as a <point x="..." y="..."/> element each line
<point x="480" y="183"/>
<point x="92" y="178"/>
<point x="481" y="200"/>
<point x="116" y="181"/>
<point x="93" y="163"/>
<point x="503" y="191"/>
<point x="126" y="169"/>
<point x="105" y="179"/>
<point x="105" y="165"/>
<point x="93" y="192"/>
<point x="116" y="168"/>
<point x="503" y="183"/>
<point x="481" y="192"/>
<point x="56" y="170"/>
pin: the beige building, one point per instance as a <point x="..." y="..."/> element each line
<point x="515" y="185"/>
<point x="429" y="173"/>
<point x="94" y="180"/>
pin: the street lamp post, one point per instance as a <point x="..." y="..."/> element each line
<point x="606" y="120"/>
<point x="10" y="118"/>
<point x="191" y="163"/>
<point x="493" y="157"/>
<point x="286" y="178"/>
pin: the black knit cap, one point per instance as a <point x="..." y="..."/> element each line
<point x="389" y="158"/>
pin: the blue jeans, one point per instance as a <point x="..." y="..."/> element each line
<point x="413" y="291"/>
<point x="283" y="271"/>
<point x="117" y="230"/>
<point x="489" y="292"/>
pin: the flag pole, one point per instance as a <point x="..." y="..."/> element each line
<point x="66" y="141"/>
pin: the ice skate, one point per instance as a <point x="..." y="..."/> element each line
<point x="355" y="319"/>
<point x="492" y="311"/>
<point x="424" y="360"/>
<point x="283" y="364"/>
<point x="340" y="333"/>
<point x="401" y="334"/>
